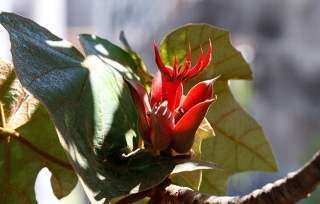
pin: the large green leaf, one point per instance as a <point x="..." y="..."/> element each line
<point x="19" y="162"/>
<point x="145" y="76"/>
<point x="91" y="108"/>
<point x="240" y="144"/>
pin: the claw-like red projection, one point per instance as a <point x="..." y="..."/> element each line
<point x="163" y="120"/>
<point x="175" y="73"/>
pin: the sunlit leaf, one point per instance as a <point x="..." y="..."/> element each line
<point x="20" y="164"/>
<point x="240" y="144"/>
<point x="145" y="76"/>
<point x="226" y="60"/>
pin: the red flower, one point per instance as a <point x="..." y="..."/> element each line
<point x="163" y="118"/>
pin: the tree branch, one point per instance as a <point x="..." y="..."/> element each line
<point x="5" y="132"/>
<point x="294" y="187"/>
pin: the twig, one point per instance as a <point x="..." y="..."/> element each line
<point x="294" y="187"/>
<point x="5" y="132"/>
<point x="3" y="119"/>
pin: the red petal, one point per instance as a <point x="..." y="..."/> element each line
<point x="179" y="93"/>
<point x="199" y="93"/>
<point x="175" y="68"/>
<point x="187" y="65"/>
<point x="156" y="89"/>
<point x="165" y="70"/>
<point x="140" y="98"/>
<point x="172" y="92"/>
<point x="184" y="132"/>
<point x="194" y="70"/>
<point x="164" y="90"/>
<point x="162" y="123"/>
<point x="208" y="57"/>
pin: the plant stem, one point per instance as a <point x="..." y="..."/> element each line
<point x="3" y="119"/>
<point x="296" y="186"/>
<point x="5" y="132"/>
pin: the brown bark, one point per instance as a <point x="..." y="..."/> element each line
<point x="294" y="187"/>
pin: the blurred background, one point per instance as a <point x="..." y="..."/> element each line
<point x="280" y="39"/>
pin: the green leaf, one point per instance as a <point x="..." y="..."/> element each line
<point x="91" y="108"/>
<point x="111" y="55"/>
<point x="194" y="178"/>
<point x="240" y="144"/>
<point x="240" y="147"/>
<point x="145" y="76"/>
<point x="149" y="170"/>
<point x="114" y="108"/>
<point x="20" y="163"/>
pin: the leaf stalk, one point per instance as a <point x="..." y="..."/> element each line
<point x="5" y="132"/>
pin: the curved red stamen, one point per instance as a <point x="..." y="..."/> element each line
<point x="175" y="68"/>
<point x="186" y="67"/>
<point x="194" y="70"/>
<point x="207" y="58"/>
<point x="179" y="73"/>
<point x="159" y="62"/>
